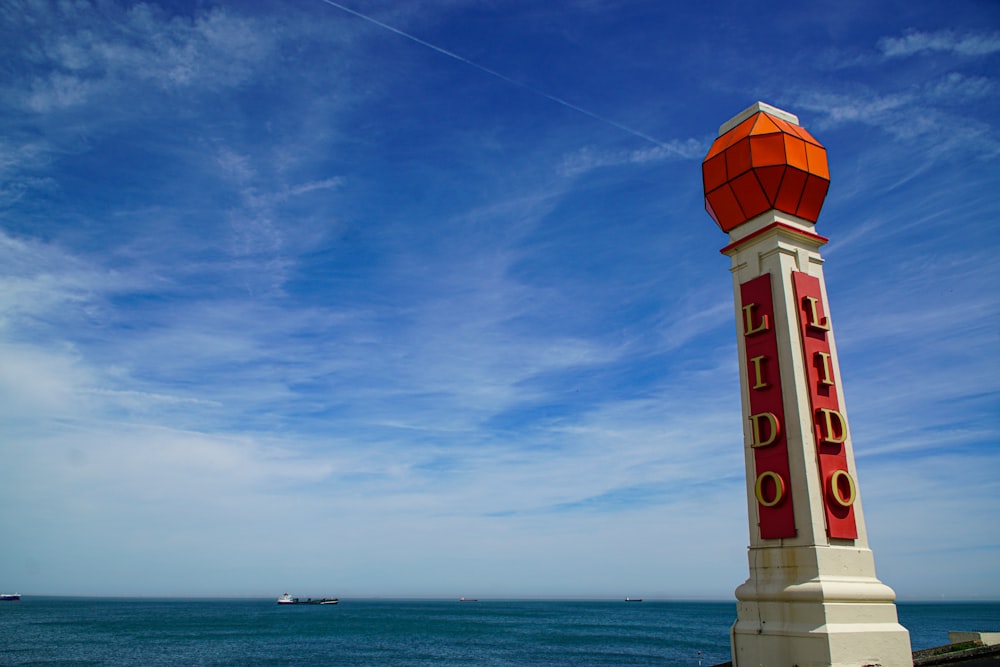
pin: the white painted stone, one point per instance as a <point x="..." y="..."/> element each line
<point x="984" y="638"/>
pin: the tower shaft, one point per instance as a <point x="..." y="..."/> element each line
<point x="812" y="597"/>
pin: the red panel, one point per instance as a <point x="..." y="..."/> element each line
<point x="767" y="149"/>
<point x="764" y="125"/>
<point x="813" y="195"/>
<point x="804" y="133"/>
<point x="738" y="158"/>
<point x="713" y="171"/>
<point x="795" y="152"/>
<point x="743" y="129"/>
<point x="785" y="126"/>
<point x="765" y="400"/>
<point x="790" y="192"/>
<point x="770" y="180"/>
<point x="816" y="155"/>
<point x="830" y="427"/>
<point x="726" y="208"/>
<point x="718" y="146"/>
<point x="750" y="195"/>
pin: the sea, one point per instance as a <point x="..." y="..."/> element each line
<point x="140" y="631"/>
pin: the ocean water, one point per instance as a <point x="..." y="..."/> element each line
<point x="102" y="631"/>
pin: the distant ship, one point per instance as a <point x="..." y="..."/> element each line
<point x="10" y="597"/>
<point x="288" y="599"/>
<point x="633" y="599"/>
<point x="468" y="600"/>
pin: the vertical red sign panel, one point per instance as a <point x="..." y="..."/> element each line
<point x="772" y="486"/>
<point x="830" y="425"/>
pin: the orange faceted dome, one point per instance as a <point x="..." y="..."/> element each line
<point x="764" y="162"/>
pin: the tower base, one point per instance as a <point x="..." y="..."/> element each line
<point x="789" y="615"/>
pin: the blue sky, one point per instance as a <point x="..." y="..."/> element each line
<point x="290" y="300"/>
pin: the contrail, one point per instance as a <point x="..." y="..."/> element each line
<point x="502" y="77"/>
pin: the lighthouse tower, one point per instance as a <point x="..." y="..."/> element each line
<point x="812" y="597"/>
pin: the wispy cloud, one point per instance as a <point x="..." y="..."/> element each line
<point x="941" y="41"/>
<point x="962" y="88"/>
<point x="302" y="188"/>
<point x="587" y="159"/>
<point x="924" y="117"/>
<point x="96" y="57"/>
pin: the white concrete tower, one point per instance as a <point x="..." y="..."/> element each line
<point x="812" y="597"/>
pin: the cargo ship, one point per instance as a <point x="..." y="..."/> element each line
<point x="288" y="599"/>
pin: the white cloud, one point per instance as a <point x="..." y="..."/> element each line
<point x="331" y="183"/>
<point x="587" y="159"/>
<point x="924" y="119"/>
<point x="235" y="166"/>
<point x="42" y="285"/>
<point x="93" y="57"/>
<point x="956" y="87"/>
<point x="947" y="41"/>
<point x="915" y="498"/>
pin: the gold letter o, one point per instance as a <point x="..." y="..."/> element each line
<point x="779" y="488"/>
<point x="835" y="488"/>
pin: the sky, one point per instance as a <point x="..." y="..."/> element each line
<point x="420" y="299"/>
